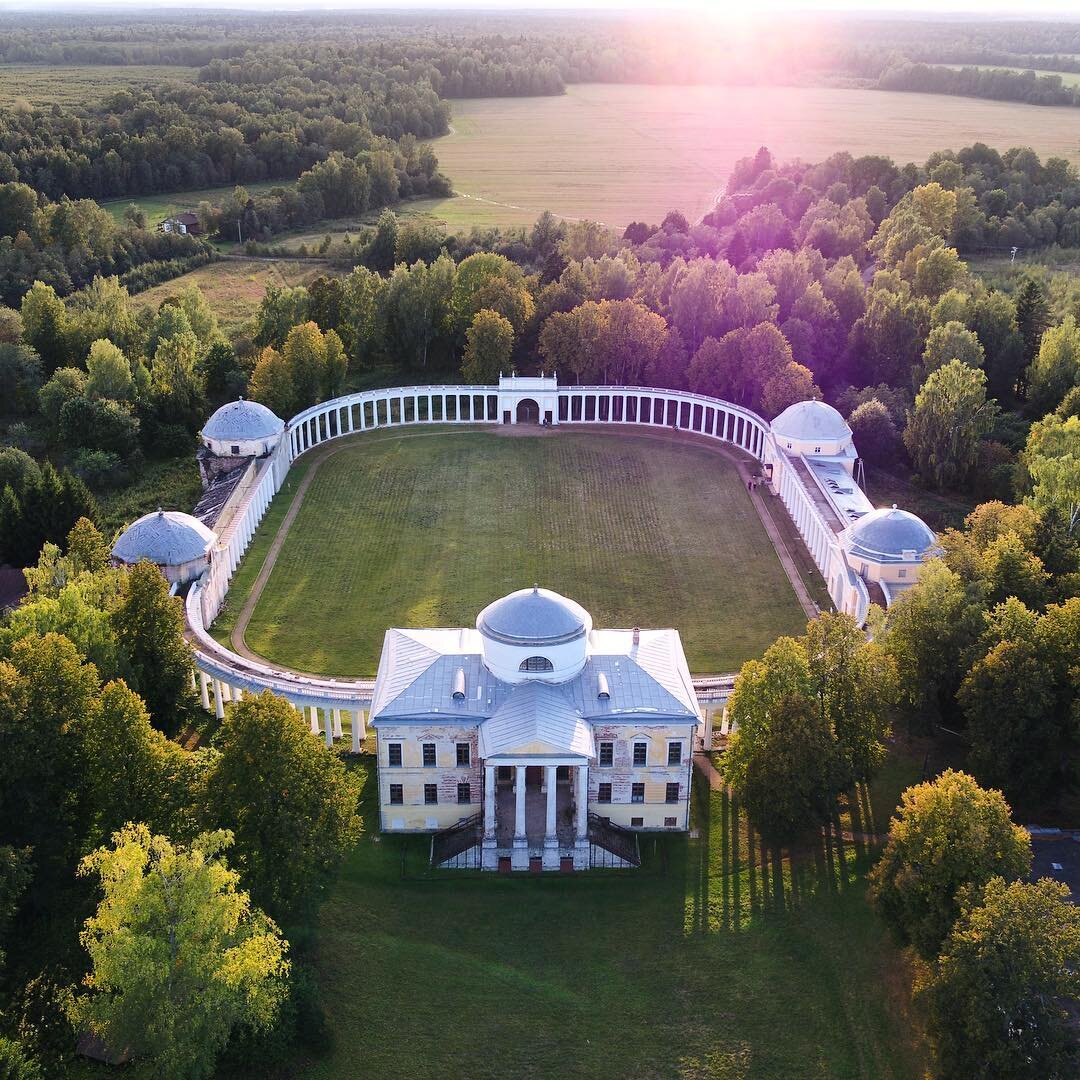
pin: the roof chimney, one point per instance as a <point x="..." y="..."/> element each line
<point x="459" y="685"/>
<point x="637" y="635"/>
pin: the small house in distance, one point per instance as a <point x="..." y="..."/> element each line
<point x="186" y="223"/>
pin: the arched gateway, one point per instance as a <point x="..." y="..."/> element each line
<point x="528" y="412"/>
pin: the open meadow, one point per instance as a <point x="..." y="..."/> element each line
<point x="75" y="85"/>
<point x="234" y="287"/>
<point x="158" y="207"/>
<point x="618" y="153"/>
<point x="719" y="958"/>
<point x="424" y="529"/>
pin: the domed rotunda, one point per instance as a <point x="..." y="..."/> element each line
<point x="242" y="429"/>
<point x="889" y="536"/>
<point x="179" y="543"/>
<point x="812" y="427"/>
<point x="534" y="634"/>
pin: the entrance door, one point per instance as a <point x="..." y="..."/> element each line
<point x="528" y="412"/>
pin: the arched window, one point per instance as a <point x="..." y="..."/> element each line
<point x="536" y="663"/>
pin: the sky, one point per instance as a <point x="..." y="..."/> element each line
<point x="724" y="9"/>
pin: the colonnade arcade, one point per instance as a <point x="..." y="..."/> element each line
<point x="668" y="409"/>
<point x="223" y="675"/>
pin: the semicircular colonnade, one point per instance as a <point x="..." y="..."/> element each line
<point x="222" y="675"/>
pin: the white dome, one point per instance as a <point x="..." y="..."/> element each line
<point x="889" y="535"/>
<point x="166" y="537"/>
<point x="533" y="617"/>
<point x="534" y="634"/>
<point x="811" y="421"/>
<point x="242" y="420"/>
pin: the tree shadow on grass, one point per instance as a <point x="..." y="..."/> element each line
<point x="735" y="879"/>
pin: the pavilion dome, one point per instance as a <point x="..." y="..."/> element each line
<point x="534" y="617"/>
<point x="165" y="537"/>
<point x="890" y="534"/>
<point x="811" y="421"/>
<point x="241" y="421"/>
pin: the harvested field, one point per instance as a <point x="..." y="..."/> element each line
<point x="624" y="153"/>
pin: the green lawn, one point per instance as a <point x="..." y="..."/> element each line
<point x="425" y="529"/>
<point x="718" y="959"/>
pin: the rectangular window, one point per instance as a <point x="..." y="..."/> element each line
<point x="637" y="793"/>
<point x="901" y="573"/>
<point x="463" y="755"/>
<point x="396" y="797"/>
<point x="431" y="794"/>
<point x="603" y="793"/>
<point x="636" y="822"/>
<point x="672" y="793"/>
<point x="429" y="755"/>
<point x="674" y="753"/>
<point x="393" y="751"/>
<point x="464" y="793"/>
<point x="607" y="755"/>
<point x="641" y="754"/>
<point x="670" y="822"/>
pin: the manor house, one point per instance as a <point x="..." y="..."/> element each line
<point x="544" y="741"/>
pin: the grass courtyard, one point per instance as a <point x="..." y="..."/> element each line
<point x="425" y="528"/>
<point x="719" y="959"/>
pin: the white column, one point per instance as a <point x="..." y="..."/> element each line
<point x="313" y="719"/>
<point x="582" y="807"/>
<point x="355" y="715"/>
<point x="519" y="802"/>
<point x="360" y="721"/>
<point x="328" y="727"/>
<point x="219" y="705"/>
<point x="549" y="823"/>
<point x="204" y="693"/>
<point x="489" y="800"/>
<point x="337" y="723"/>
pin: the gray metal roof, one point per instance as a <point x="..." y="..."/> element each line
<point x="418" y="669"/>
<point x="885" y="535"/>
<point x="165" y="537"/>
<point x="533" y="617"/>
<point x="537" y="718"/>
<point x="809" y="420"/>
<point x="243" y="420"/>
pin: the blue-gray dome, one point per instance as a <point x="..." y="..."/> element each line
<point x="886" y="535"/>
<point x="241" y="420"/>
<point x="533" y="617"/>
<point x="165" y="537"/>
<point x="810" y="421"/>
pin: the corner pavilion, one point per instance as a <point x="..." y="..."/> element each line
<point x="536" y="740"/>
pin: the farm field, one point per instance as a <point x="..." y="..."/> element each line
<point x="622" y="153"/>
<point x="234" y="287"/>
<point x="158" y="207"/>
<point x="74" y="85"/>
<point x="424" y="529"/>
<point x="718" y="958"/>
